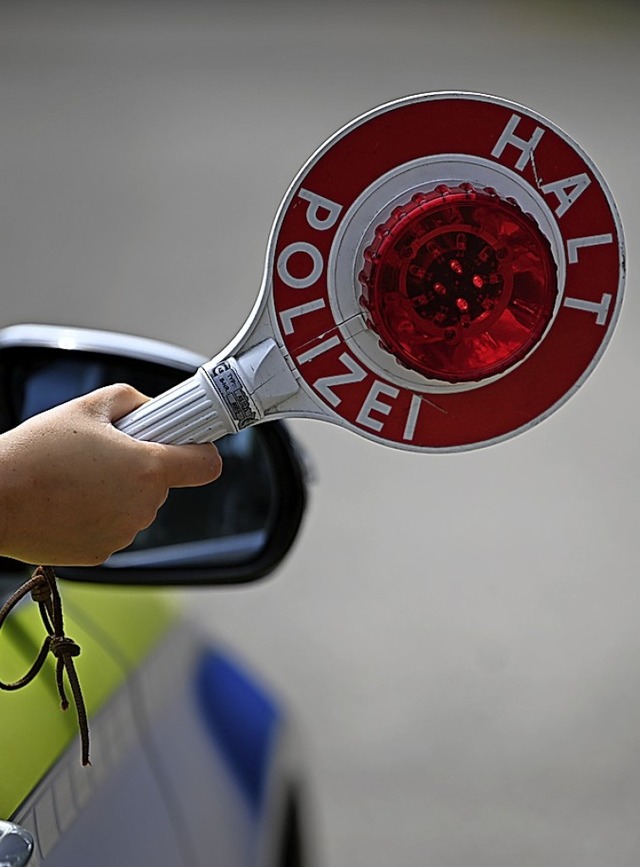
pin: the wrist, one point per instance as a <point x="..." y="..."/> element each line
<point x="5" y="497"/>
<point x="9" y="498"/>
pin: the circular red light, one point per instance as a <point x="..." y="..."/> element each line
<point x="459" y="284"/>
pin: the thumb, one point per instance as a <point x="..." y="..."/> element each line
<point x="190" y="465"/>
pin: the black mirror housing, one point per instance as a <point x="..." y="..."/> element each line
<point x="233" y="531"/>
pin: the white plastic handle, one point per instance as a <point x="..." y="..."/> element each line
<point x="222" y="397"/>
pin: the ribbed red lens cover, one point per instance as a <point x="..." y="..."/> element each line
<point x="459" y="284"/>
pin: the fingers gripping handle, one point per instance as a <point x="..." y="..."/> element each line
<point x="219" y="399"/>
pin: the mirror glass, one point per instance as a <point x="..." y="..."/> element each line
<point x="226" y="523"/>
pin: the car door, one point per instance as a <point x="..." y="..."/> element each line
<point x="168" y="784"/>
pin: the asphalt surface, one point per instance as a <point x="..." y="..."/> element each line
<point x="457" y="635"/>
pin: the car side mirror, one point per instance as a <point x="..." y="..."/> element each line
<point x="235" y="530"/>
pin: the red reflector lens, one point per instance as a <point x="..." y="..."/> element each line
<point x="459" y="284"/>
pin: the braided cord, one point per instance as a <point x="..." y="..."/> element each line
<point x="43" y="586"/>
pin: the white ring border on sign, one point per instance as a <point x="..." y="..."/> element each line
<point x="374" y="205"/>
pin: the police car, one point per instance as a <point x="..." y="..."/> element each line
<point x="193" y="759"/>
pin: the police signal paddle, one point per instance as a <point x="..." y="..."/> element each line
<point x="443" y="273"/>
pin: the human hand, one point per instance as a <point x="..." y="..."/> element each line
<point x="74" y="489"/>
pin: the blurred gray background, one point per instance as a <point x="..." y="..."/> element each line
<point x="457" y="635"/>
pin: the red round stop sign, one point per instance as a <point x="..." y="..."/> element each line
<point x="327" y="226"/>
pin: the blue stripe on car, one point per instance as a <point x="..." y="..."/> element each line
<point x="241" y="717"/>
